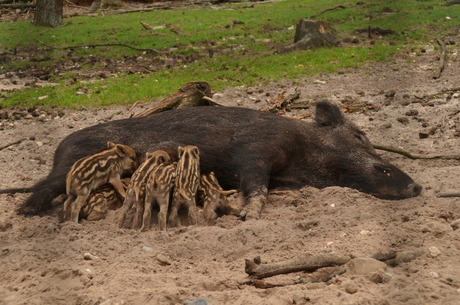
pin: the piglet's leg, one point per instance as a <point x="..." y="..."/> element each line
<point x="163" y="203"/>
<point x="118" y="186"/>
<point x="209" y="212"/>
<point x="192" y="211"/>
<point x="68" y="207"/>
<point x="76" y="207"/>
<point x="127" y="205"/>
<point x="139" y="213"/>
<point x="175" y="205"/>
<point x="149" y="200"/>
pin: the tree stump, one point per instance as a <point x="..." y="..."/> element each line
<point x="311" y="34"/>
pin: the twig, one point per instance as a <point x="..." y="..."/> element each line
<point x="213" y="101"/>
<point x="17" y="5"/>
<point x="256" y="270"/>
<point x="111" y="116"/>
<point x="442" y="60"/>
<point x="101" y="45"/>
<point x="412" y="156"/>
<point x="145" y="25"/>
<point x="327" y="9"/>
<point x="449" y="194"/>
<point x="13" y="143"/>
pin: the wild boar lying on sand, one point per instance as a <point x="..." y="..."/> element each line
<point x="249" y="150"/>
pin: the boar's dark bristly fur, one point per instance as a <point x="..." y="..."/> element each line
<point x="249" y="150"/>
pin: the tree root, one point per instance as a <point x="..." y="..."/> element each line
<point x="412" y="156"/>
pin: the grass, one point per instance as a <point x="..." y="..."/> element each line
<point x="243" y="53"/>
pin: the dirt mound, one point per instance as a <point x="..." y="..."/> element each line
<point x="43" y="261"/>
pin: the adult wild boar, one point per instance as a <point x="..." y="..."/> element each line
<point x="248" y="150"/>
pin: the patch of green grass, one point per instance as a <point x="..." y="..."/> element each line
<point x="241" y="39"/>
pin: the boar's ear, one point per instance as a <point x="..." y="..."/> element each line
<point x="110" y="144"/>
<point x="120" y="150"/>
<point x="328" y="114"/>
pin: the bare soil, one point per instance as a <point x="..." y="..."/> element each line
<point x="397" y="104"/>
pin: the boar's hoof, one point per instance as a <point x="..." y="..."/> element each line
<point x="249" y="215"/>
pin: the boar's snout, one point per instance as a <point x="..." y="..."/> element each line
<point x="414" y="189"/>
<point x="393" y="183"/>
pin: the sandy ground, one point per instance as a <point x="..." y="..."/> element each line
<point x="399" y="104"/>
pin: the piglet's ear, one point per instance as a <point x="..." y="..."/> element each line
<point x="328" y="114"/>
<point x="120" y="150"/>
<point x="110" y="144"/>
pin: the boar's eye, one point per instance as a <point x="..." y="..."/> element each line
<point x="133" y="158"/>
<point x="383" y="170"/>
<point x="360" y="138"/>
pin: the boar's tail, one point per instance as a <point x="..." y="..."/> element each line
<point x="42" y="195"/>
<point x="17" y="190"/>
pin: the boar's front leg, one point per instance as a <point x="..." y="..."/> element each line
<point x="255" y="201"/>
<point x="254" y="184"/>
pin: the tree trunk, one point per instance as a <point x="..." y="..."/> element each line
<point x="48" y="13"/>
<point x="311" y="34"/>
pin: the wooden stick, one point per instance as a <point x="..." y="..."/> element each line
<point x="189" y="95"/>
<point x="442" y="60"/>
<point x="111" y="116"/>
<point x="17" y="5"/>
<point x="256" y="270"/>
<point x="13" y="143"/>
<point x="404" y="257"/>
<point x="213" y="101"/>
<point x="412" y="156"/>
<point x="325" y="10"/>
<point x="101" y="45"/>
<point x="449" y="194"/>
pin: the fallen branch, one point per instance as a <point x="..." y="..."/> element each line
<point x="412" y="156"/>
<point x="13" y="143"/>
<point x="213" y="102"/>
<point x="100" y="45"/>
<point x="442" y="60"/>
<point x="453" y="2"/>
<point x="404" y="257"/>
<point x="281" y="101"/>
<point x="189" y="95"/>
<point x="321" y="275"/>
<point x="325" y="10"/>
<point x="18" y="5"/>
<point x="110" y="116"/>
<point x="449" y="194"/>
<point x="376" y="30"/>
<point x="256" y="270"/>
<point x="324" y="267"/>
